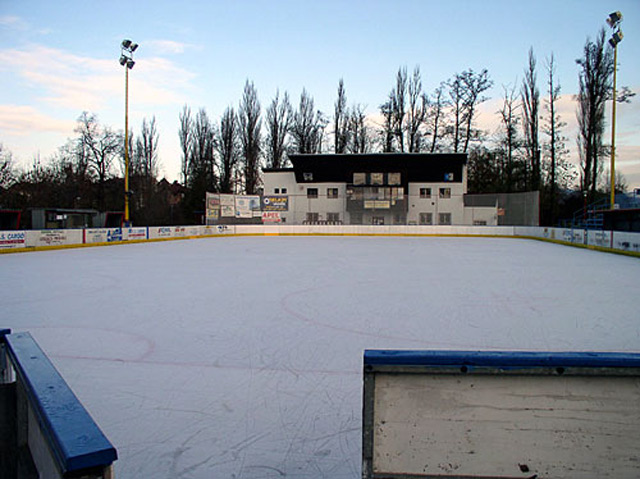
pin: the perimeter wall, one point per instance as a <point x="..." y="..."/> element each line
<point x="27" y="240"/>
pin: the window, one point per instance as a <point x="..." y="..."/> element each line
<point x="333" y="217"/>
<point x="445" y="192"/>
<point x="425" y="192"/>
<point x="283" y="191"/>
<point x="307" y="176"/>
<point x="359" y="178"/>
<point x="313" y="218"/>
<point x="394" y="179"/>
<point x="332" y="192"/>
<point x="312" y="192"/>
<point x="276" y="191"/>
<point x="426" y="218"/>
<point x="377" y="178"/>
<point x="377" y="220"/>
<point x="444" y="219"/>
<point x="479" y="223"/>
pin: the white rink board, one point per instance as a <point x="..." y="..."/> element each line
<point x="242" y="357"/>
<point x="496" y="426"/>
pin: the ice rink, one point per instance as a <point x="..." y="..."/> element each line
<point x="241" y="357"/>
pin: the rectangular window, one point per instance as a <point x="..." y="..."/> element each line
<point x="479" y="223"/>
<point x="444" y="219"/>
<point x="360" y="179"/>
<point x="445" y="192"/>
<point x="425" y="192"/>
<point x="394" y="179"/>
<point x="377" y="220"/>
<point x="426" y="218"/>
<point x="283" y="191"/>
<point x="313" y="218"/>
<point x="377" y="178"/>
<point x="333" y="217"/>
<point x="276" y="191"/>
<point x="312" y="192"/>
<point x="332" y="192"/>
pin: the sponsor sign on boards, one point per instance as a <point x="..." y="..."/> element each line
<point x="275" y="203"/>
<point x="271" y="217"/>
<point x="12" y="239"/>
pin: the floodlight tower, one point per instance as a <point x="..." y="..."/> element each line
<point x="614" y="21"/>
<point x="127" y="47"/>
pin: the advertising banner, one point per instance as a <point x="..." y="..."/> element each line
<point x="246" y="206"/>
<point x="271" y="217"/>
<point x="12" y="239"/>
<point x="136" y="233"/>
<point x="213" y="206"/>
<point x="275" y="203"/>
<point x="227" y="206"/>
<point x="96" y="235"/>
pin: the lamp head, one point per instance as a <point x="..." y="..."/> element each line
<point x="616" y="38"/>
<point x="614" y="19"/>
<point x="133" y="47"/>
<point x="126" y="43"/>
<point x="130" y="63"/>
<point x="123" y="60"/>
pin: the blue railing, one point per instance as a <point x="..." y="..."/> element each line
<point x="75" y="442"/>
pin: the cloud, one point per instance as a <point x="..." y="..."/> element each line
<point x="84" y="83"/>
<point x="168" y="47"/>
<point x="11" y="21"/>
<point x="19" y="120"/>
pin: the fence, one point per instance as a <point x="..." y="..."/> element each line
<point x="43" y="239"/>
<point x="45" y="432"/>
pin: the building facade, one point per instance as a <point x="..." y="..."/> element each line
<point x="375" y="189"/>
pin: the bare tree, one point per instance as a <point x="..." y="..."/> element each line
<point x="417" y="111"/>
<point x="228" y="149"/>
<point x="509" y="138"/>
<point x="398" y="99"/>
<point x="530" y="95"/>
<point x="358" y="133"/>
<point x="558" y="170"/>
<point x="455" y="92"/>
<point x="102" y="146"/>
<point x="147" y="149"/>
<point x="186" y="126"/>
<point x="435" y="116"/>
<point x="387" y="132"/>
<point x="595" y="82"/>
<point x="307" y="128"/>
<point x="279" y="118"/>
<point x="250" y="137"/>
<point x="340" y="120"/>
<point x="7" y="174"/>
<point x="473" y="86"/>
<point x="202" y="161"/>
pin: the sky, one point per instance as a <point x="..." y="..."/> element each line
<point x="58" y="59"/>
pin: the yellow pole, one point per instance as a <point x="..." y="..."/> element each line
<point x="126" y="146"/>
<point x="613" y="130"/>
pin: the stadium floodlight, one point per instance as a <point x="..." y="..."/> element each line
<point x="616" y="38"/>
<point x="126" y="60"/>
<point x="614" y="21"/>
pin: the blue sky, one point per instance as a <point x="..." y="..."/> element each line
<point x="60" y="58"/>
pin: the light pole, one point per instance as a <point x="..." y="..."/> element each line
<point x="614" y="22"/>
<point x="127" y="47"/>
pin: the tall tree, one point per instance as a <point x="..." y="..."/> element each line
<point x="435" y="116"/>
<point x="387" y="133"/>
<point x="358" y="133"/>
<point x="455" y="92"/>
<point x="7" y="174"/>
<point x="398" y="99"/>
<point x="307" y="128"/>
<point x="279" y="118"/>
<point x="228" y="149"/>
<point x="595" y="82"/>
<point x="510" y="141"/>
<point x="416" y="112"/>
<point x="473" y="86"/>
<point x="530" y="100"/>
<point x="102" y="146"/>
<point x="250" y="137"/>
<point x="340" y="120"/>
<point x="184" y="133"/>
<point x="556" y="167"/>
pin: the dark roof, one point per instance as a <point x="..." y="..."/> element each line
<point x="414" y="167"/>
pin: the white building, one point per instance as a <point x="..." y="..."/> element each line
<point x="383" y="188"/>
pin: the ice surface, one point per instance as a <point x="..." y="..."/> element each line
<point x="241" y="357"/>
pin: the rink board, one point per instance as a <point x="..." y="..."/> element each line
<point x="501" y="415"/>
